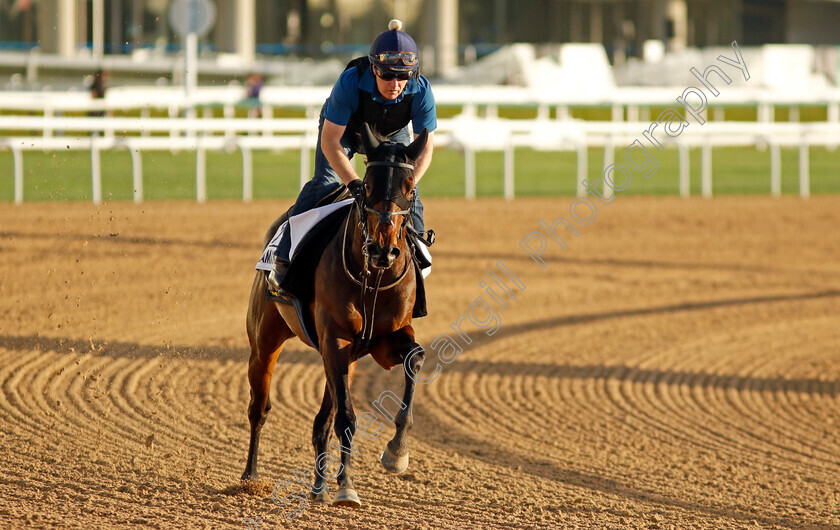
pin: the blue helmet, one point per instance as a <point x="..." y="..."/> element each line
<point x="394" y="53"/>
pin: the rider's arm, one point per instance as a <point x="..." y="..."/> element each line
<point x="331" y="146"/>
<point x="424" y="116"/>
<point x="425" y="158"/>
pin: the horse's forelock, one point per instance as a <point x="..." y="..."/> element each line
<point x="386" y="148"/>
<point x="377" y="176"/>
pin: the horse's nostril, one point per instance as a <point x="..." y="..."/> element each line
<point x="394" y="252"/>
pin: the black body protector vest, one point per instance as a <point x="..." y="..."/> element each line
<point x="384" y="120"/>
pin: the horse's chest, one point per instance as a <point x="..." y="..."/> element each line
<point x="386" y="312"/>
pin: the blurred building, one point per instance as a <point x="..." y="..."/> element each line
<point x="463" y="27"/>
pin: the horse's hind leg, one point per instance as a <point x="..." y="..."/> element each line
<point x="267" y="332"/>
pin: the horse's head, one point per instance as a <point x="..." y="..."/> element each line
<point x="389" y="188"/>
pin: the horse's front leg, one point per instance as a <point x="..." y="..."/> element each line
<point x="320" y="439"/>
<point x="339" y="371"/>
<point x="403" y="348"/>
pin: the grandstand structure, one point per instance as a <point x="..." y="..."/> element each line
<point x="245" y="32"/>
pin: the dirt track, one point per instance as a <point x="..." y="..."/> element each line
<point x="676" y="365"/>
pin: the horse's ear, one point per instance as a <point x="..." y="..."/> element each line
<point x="369" y="140"/>
<point x="416" y="147"/>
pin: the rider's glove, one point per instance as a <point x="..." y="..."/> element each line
<point x="357" y="190"/>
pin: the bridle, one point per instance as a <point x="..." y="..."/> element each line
<point x="390" y="193"/>
<point x="393" y="194"/>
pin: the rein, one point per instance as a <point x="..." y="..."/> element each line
<point x="397" y="197"/>
<point x="367" y="321"/>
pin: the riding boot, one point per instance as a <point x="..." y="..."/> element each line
<point x="281" y="264"/>
<point x="275" y="277"/>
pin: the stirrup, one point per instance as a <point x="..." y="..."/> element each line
<point x="427" y="237"/>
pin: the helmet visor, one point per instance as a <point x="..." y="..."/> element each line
<point x="391" y="58"/>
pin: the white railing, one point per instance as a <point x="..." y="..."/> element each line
<point x="634" y="100"/>
<point x="466" y="132"/>
<point x="96" y="134"/>
<point x="494" y="134"/>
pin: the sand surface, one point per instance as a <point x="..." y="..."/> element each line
<point x="677" y="365"/>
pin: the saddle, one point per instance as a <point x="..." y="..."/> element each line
<point x="299" y="280"/>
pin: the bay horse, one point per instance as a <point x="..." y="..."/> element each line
<point x="352" y="317"/>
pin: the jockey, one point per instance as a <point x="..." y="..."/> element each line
<point x="384" y="90"/>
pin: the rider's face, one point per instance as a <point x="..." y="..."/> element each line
<point x="390" y="89"/>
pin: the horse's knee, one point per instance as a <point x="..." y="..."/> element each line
<point x="320" y="437"/>
<point x="345" y="421"/>
<point x="321" y="421"/>
<point x="321" y="429"/>
<point x="259" y="399"/>
<point x="257" y="412"/>
<point x="414" y="358"/>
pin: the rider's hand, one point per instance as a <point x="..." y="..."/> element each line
<point x="357" y="190"/>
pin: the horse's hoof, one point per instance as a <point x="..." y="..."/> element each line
<point x="248" y="476"/>
<point x="394" y="464"/>
<point x="323" y="497"/>
<point x="347" y="497"/>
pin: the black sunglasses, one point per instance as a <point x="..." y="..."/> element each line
<point x="390" y="75"/>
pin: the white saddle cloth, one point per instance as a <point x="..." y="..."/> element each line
<point x="301" y="224"/>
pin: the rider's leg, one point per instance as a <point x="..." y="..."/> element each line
<point x="324" y="181"/>
<point x="417" y="212"/>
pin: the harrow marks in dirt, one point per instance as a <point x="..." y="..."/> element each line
<point x="678" y="364"/>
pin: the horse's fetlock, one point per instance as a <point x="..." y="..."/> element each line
<point x="397" y="447"/>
